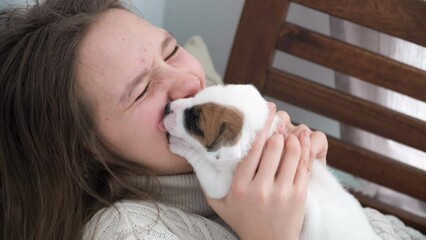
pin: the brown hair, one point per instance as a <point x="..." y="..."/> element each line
<point x="55" y="171"/>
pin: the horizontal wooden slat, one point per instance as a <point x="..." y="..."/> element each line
<point x="346" y="108"/>
<point x="376" y="168"/>
<point x="415" y="221"/>
<point x="404" y="19"/>
<point x="353" y="61"/>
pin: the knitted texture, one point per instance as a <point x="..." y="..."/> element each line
<point x="182" y="212"/>
<point x="143" y="220"/>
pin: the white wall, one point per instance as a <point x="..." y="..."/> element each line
<point x="5" y="3"/>
<point x="216" y="21"/>
<point x="153" y="11"/>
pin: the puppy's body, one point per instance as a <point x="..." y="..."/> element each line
<point x="214" y="145"/>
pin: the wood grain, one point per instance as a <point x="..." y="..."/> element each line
<point x="254" y="44"/>
<point x="353" y="61"/>
<point x="346" y="108"/>
<point x="376" y="168"/>
<point x="404" y="19"/>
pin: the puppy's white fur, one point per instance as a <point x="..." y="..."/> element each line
<point x="331" y="212"/>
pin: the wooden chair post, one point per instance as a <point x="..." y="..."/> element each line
<point x="255" y="41"/>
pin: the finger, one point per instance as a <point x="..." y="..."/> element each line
<point x="270" y="159"/>
<point x="319" y="143"/>
<point x="284" y="123"/>
<point x="247" y="168"/>
<point x="296" y="130"/>
<point x="303" y="169"/>
<point x="319" y="146"/>
<point x="289" y="162"/>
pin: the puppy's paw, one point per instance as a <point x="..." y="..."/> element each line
<point x="215" y="184"/>
<point x="177" y="146"/>
<point x="229" y="153"/>
<point x="180" y="147"/>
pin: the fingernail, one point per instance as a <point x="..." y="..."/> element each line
<point x="281" y="128"/>
<point x="285" y="131"/>
<point x="306" y="134"/>
<point x="302" y="134"/>
<point x="271" y="106"/>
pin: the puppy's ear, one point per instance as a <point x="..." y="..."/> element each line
<point x="227" y="135"/>
<point x="225" y="125"/>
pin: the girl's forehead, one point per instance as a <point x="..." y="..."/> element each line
<point x="121" y="26"/>
<point x="119" y="38"/>
<point x="113" y="51"/>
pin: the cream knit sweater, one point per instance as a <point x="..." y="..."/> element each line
<point x="182" y="213"/>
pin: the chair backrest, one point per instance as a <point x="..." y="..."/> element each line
<point x="263" y="30"/>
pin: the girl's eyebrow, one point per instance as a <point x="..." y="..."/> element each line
<point x="168" y="37"/>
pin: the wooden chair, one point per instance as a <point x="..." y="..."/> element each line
<point x="263" y="30"/>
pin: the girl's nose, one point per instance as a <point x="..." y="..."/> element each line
<point x="184" y="86"/>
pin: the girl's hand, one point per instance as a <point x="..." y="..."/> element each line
<point x="319" y="144"/>
<point x="269" y="189"/>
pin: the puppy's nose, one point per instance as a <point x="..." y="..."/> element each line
<point x="167" y="110"/>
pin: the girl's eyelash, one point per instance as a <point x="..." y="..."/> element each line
<point x="143" y="93"/>
<point x="173" y="53"/>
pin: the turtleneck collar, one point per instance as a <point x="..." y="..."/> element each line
<point x="181" y="191"/>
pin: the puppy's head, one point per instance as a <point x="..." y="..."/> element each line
<point x="221" y="121"/>
<point x="209" y="127"/>
<point x="213" y="125"/>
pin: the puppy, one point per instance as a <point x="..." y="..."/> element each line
<point x="214" y="131"/>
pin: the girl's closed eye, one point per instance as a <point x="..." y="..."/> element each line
<point x="172" y="53"/>
<point x="175" y="49"/>
<point x="143" y="92"/>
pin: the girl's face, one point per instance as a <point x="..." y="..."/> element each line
<point x="129" y="70"/>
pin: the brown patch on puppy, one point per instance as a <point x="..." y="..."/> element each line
<point x="215" y="125"/>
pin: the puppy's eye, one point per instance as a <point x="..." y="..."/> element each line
<point x="192" y="116"/>
<point x="173" y="53"/>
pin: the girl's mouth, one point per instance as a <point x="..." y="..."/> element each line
<point x="161" y="126"/>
